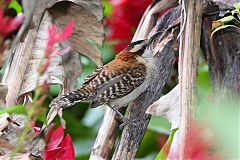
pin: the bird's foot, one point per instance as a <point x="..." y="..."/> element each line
<point x="128" y="122"/>
<point x="125" y="121"/>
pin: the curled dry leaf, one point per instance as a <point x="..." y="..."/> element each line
<point x="93" y="6"/>
<point x="22" y="64"/>
<point x="168" y="107"/>
<point x="51" y="115"/>
<point x="91" y="28"/>
<point x="88" y="16"/>
<point x="55" y="68"/>
<point x="15" y="70"/>
<point x="88" y="26"/>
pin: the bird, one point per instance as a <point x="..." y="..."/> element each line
<point x="115" y="84"/>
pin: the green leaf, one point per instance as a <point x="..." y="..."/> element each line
<point x="162" y="155"/>
<point x="222" y="27"/>
<point x="237" y="7"/>
<point x="16" y="6"/>
<point x="222" y="21"/>
<point x="107" y="8"/>
<point x="227" y="19"/>
<point x="18" y="109"/>
<point x="149" y="144"/>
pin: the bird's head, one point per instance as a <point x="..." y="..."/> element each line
<point x="137" y="47"/>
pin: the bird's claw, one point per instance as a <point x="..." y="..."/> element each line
<point x="130" y="122"/>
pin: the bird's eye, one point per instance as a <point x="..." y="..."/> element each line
<point x="138" y="48"/>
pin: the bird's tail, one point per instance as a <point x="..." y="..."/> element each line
<point x="71" y="98"/>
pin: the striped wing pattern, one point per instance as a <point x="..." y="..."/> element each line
<point x="112" y="85"/>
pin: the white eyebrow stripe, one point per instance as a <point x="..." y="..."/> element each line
<point x="136" y="48"/>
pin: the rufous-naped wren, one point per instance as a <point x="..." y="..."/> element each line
<point x="115" y="84"/>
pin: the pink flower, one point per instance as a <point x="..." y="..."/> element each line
<point x="200" y="144"/>
<point x="55" y="36"/>
<point x="59" y="147"/>
<point x="8" y="24"/>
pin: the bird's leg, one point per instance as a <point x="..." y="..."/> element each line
<point x="122" y="117"/>
<point x="125" y="121"/>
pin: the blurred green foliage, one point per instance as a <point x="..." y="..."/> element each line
<point x="18" y="109"/>
<point x="107" y="8"/>
<point x="16" y="6"/>
<point x="220" y="114"/>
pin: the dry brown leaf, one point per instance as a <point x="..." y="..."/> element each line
<point x="31" y="75"/>
<point x="21" y="74"/>
<point x="92" y="11"/>
<point x="68" y="66"/>
<point x="14" y="73"/>
<point x="88" y="16"/>
<point x="88" y="26"/>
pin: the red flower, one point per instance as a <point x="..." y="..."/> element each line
<point x="121" y="32"/>
<point x="59" y="148"/>
<point x="55" y="36"/>
<point x="8" y="24"/>
<point x="124" y="19"/>
<point x="131" y="11"/>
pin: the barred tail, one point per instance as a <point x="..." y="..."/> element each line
<point x="71" y="98"/>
